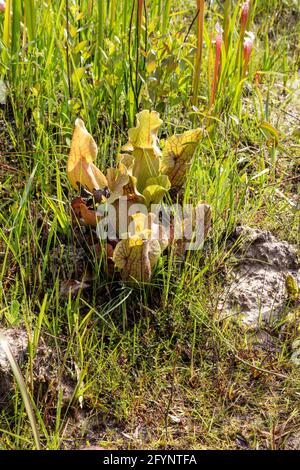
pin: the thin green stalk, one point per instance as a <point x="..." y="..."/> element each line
<point x="67" y="49"/>
<point x="125" y="12"/>
<point x="16" y="22"/>
<point x="198" y="58"/>
<point x="29" y="10"/>
<point x="7" y="25"/>
<point x="226" y="22"/>
<point x="113" y="21"/>
<point x="100" y="34"/>
<point x="166" y="16"/>
<point x="137" y="52"/>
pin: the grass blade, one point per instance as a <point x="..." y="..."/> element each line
<point x="20" y="381"/>
<point x="198" y="59"/>
<point x="7" y="24"/>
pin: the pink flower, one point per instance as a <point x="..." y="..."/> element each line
<point x="219" y="39"/>
<point x="2" y="6"/>
<point x="247" y="48"/>
<point x="248" y="45"/>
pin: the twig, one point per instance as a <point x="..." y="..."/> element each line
<point x="290" y="114"/>
<point x="264" y="371"/>
<point x="190" y="27"/>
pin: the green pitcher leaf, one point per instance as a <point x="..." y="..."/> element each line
<point x="161" y="180"/>
<point x="146" y="165"/>
<point x="154" y="194"/>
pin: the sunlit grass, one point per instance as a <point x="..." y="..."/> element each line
<point x="120" y="346"/>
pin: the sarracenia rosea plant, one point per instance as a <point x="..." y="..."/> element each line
<point x="143" y="175"/>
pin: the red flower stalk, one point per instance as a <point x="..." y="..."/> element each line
<point x="247" y="49"/>
<point x="219" y="40"/>
<point x="140" y="13"/>
<point x="244" y="16"/>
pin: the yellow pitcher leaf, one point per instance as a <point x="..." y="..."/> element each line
<point x="136" y="255"/>
<point x="136" y="262"/>
<point x="161" y="180"/>
<point x="140" y="222"/>
<point x="126" y="159"/>
<point x="177" y="155"/>
<point x="144" y="135"/>
<point x="128" y="147"/>
<point x="117" y="178"/>
<point x="80" y="167"/>
<point x="145" y="227"/>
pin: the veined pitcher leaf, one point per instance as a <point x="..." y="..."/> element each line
<point x="136" y="260"/>
<point x="130" y="190"/>
<point x="136" y="255"/>
<point x="81" y="170"/>
<point x="178" y="153"/>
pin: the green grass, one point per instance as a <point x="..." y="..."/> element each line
<point x="148" y="368"/>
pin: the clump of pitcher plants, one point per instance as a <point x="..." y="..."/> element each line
<point x="142" y="177"/>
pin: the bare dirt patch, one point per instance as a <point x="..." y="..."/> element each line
<point x="255" y="286"/>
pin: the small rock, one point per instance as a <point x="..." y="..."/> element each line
<point x="175" y="419"/>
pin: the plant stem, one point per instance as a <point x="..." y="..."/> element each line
<point x="67" y="49"/>
<point x="226" y="21"/>
<point x="198" y="59"/>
